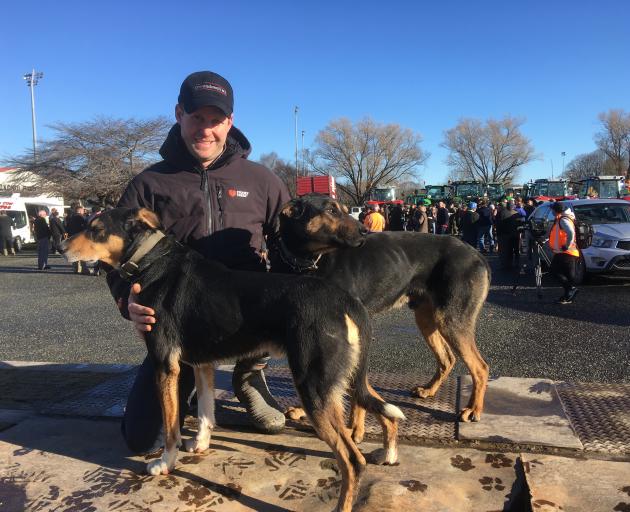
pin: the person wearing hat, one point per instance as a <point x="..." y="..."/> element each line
<point x="562" y="241"/>
<point x="213" y="199"/>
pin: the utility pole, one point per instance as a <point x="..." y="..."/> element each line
<point x="297" y="173"/>
<point x="303" y="163"/>
<point x="563" y="155"/>
<point x="32" y="79"/>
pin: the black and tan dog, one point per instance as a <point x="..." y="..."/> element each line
<point x="443" y="280"/>
<point x="208" y="313"/>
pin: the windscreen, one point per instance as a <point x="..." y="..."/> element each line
<point x="603" y="213"/>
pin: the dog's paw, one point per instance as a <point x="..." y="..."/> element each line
<point x="157" y="467"/>
<point x="357" y="435"/>
<point x="295" y="413"/>
<point x="468" y="414"/>
<point x="196" y="445"/>
<point x="422" y="392"/>
<point x="383" y="457"/>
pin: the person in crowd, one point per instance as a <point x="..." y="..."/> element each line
<point x="421" y="219"/>
<point x="6" y="233"/>
<point x="42" y="235"/>
<point x="362" y="215"/>
<point x="507" y="222"/>
<point x="374" y="221"/>
<point x="57" y="231"/>
<point x="441" y="219"/>
<point x="431" y="215"/>
<point x="75" y="224"/>
<point x="213" y="199"/>
<point x="529" y="208"/>
<point x="469" y="224"/>
<point x="563" y="244"/>
<point x="396" y="218"/>
<point x="484" y="227"/>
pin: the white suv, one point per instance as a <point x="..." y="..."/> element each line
<point x="610" y="250"/>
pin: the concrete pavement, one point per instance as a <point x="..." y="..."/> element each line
<point x="541" y="445"/>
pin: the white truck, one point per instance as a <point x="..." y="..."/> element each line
<point x="23" y="211"/>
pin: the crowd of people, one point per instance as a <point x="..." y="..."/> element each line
<point x="488" y="226"/>
<point x="49" y="230"/>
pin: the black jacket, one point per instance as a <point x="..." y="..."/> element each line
<point x="223" y="212"/>
<point x="41" y="229"/>
<point x="56" y="227"/>
<point x="6" y="223"/>
<point x="75" y="224"/>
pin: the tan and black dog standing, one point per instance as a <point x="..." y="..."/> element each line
<point x="444" y="281"/>
<point x="209" y="313"/>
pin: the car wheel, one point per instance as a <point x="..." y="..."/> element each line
<point x="17" y="244"/>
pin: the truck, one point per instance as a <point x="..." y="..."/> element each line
<point x="23" y="210"/>
<point x="605" y="187"/>
<point x="547" y="189"/>
<point x="438" y="192"/>
<point x="468" y="190"/>
<point x="383" y="196"/>
<point x="316" y="184"/>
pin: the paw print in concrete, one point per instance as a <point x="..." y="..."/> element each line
<point x="463" y="463"/>
<point x="622" y="507"/>
<point x="531" y="464"/>
<point x="499" y="460"/>
<point x="539" y="504"/>
<point x="414" y="485"/>
<point x="488" y="483"/>
<point x="625" y="489"/>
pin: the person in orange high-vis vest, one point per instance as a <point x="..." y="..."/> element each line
<point x="374" y="221"/>
<point x="562" y="241"/>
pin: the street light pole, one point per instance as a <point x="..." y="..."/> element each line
<point x="563" y="155"/>
<point x="297" y="173"/>
<point x="32" y="79"/>
<point x="303" y="163"/>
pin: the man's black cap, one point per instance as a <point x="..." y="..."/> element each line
<point x="206" y="89"/>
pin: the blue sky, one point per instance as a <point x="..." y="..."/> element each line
<point x="423" y="65"/>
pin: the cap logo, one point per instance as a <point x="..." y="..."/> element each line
<point x="208" y="86"/>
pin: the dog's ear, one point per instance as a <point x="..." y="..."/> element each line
<point x="293" y="209"/>
<point x="149" y="218"/>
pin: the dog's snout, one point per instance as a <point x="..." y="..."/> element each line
<point x="363" y="230"/>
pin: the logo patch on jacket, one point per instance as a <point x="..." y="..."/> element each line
<point x="237" y="193"/>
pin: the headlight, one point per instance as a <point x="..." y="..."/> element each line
<point x="602" y="242"/>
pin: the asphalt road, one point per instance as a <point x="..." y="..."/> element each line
<point x="58" y="316"/>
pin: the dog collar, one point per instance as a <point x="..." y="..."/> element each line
<point x="296" y="263"/>
<point x="130" y="268"/>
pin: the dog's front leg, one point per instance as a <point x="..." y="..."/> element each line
<point x="204" y="382"/>
<point x="167" y="384"/>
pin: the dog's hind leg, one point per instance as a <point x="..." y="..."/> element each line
<point x="204" y="382"/>
<point x="426" y="320"/>
<point x="463" y="343"/>
<point x="329" y="424"/>
<point x="167" y="382"/>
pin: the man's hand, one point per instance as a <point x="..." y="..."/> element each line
<point x="141" y="316"/>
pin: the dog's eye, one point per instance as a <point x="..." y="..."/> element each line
<point x="332" y="211"/>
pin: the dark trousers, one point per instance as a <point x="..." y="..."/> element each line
<point x="43" y="245"/>
<point x="56" y="245"/>
<point x="509" y="250"/>
<point x="563" y="267"/>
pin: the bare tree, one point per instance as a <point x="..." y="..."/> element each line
<point x="281" y="168"/>
<point x="94" y="159"/>
<point x="594" y="163"/>
<point x="614" y="139"/>
<point x="493" y="151"/>
<point x="366" y="155"/>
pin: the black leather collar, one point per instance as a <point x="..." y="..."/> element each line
<point x="296" y="263"/>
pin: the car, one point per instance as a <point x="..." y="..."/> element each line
<point x="355" y="211"/>
<point x="609" y="252"/>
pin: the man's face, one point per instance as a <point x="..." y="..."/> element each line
<point x="204" y="132"/>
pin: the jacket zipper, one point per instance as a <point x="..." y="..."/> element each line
<point x="220" y="203"/>
<point x="206" y="192"/>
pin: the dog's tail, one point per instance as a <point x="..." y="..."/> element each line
<point x="367" y="397"/>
